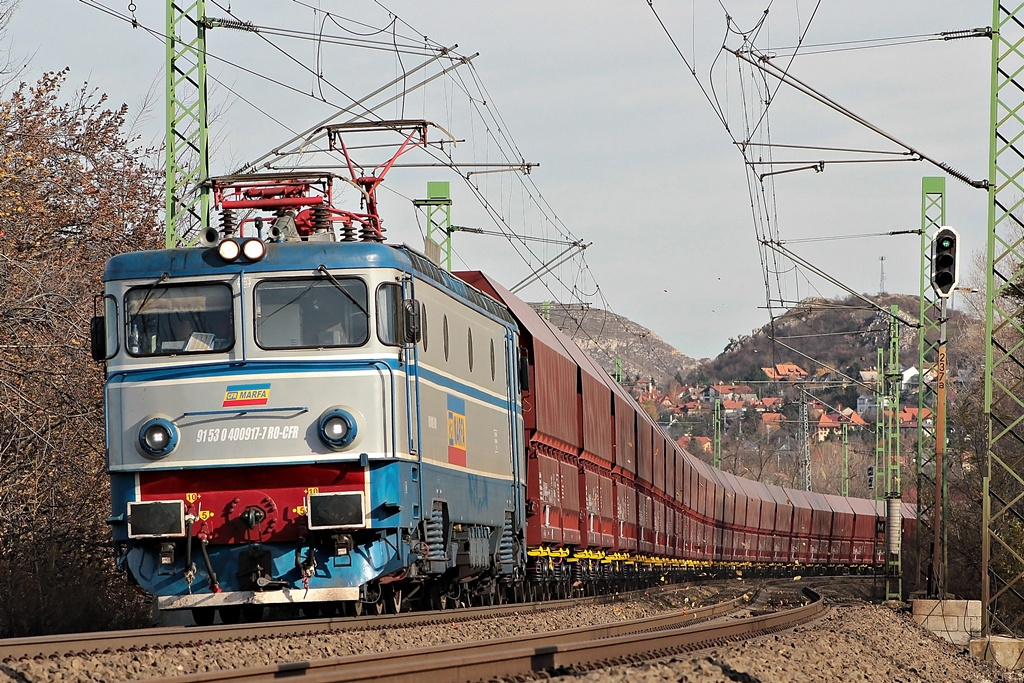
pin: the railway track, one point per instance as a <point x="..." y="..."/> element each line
<point x="463" y="644"/>
<point x="84" y="644"/>
<point x="554" y="653"/>
<point x="100" y="642"/>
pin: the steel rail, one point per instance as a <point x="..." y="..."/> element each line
<point x="167" y="636"/>
<point x="586" y="647"/>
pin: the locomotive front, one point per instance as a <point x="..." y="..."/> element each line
<point x="262" y="423"/>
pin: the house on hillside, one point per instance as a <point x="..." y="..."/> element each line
<point x="732" y="408"/>
<point x="867" y="405"/>
<point x="785" y="372"/>
<point x="687" y="407"/>
<point x="832" y="423"/>
<point x="730" y="392"/>
<point x="768" y="404"/>
<point x="772" y="421"/>
<point x="852" y="416"/>
<point x="909" y="417"/>
<point x="911" y="378"/>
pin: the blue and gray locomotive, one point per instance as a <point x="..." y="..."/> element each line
<point x="310" y="419"/>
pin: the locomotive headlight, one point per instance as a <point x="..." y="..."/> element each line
<point x="229" y="250"/>
<point x="337" y="428"/>
<point x="158" y="437"/>
<point x="254" y="249"/>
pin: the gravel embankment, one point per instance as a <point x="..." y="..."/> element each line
<point x="133" y="666"/>
<point x="855" y="641"/>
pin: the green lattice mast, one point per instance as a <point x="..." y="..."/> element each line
<point x="716" y="442"/>
<point x="1002" y="576"/>
<point x="893" y="483"/>
<point x="845" y="474"/>
<point x="933" y="217"/>
<point x="879" y="424"/>
<point x="187" y="154"/>
<point x="438" y="205"/>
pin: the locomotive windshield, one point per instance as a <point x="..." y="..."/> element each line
<point x="311" y="313"/>
<point x="166" y="320"/>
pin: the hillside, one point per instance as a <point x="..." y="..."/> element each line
<point x="607" y="337"/>
<point x="840" y="336"/>
<point x="832" y="335"/>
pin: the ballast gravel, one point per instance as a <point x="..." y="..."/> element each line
<point x="172" y="661"/>
<point x="854" y="641"/>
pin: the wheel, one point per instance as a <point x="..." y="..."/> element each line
<point x="437" y="599"/>
<point x="203" y="616"/>
<point x="252" y="613"/>
<point x="394" y="600"/>
<point x="230" y="614"/>
<point x="311" y="611"/>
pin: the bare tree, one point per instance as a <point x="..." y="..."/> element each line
<point x="74" y="190"/>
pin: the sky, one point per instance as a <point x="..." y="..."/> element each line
<point x="634" y="158"/>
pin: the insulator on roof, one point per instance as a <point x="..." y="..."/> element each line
<point x="321" y="219"/>
<point x="227" y="222"/>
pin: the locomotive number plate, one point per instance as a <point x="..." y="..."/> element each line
<point x="271" y="433"/>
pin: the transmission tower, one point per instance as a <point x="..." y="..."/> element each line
<point x="881" y="277"/>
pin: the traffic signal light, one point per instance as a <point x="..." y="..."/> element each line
<point x="871" y="479"/>
<point x="945" y="261"/>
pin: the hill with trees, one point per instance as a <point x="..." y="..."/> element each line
<point x="608" y="338"/>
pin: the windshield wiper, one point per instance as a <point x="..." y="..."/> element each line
<point x="341" y="288"/>
<point x="150" y="288"/>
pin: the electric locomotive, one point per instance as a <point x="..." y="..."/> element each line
<point x="304" y="415"/>
<point x="298" y="413"/>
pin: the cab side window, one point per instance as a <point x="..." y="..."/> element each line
<point x="389" y="320"/>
